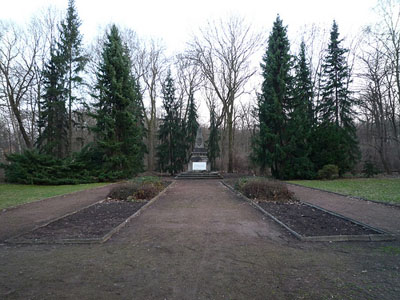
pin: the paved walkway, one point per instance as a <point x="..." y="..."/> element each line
<point x="27" y="216"/>
<point x="378" y="215"/>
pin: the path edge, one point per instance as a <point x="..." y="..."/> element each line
<point x="382" y="236"/>
<point x="100" y="240"/>
<point x="344" y="195"/>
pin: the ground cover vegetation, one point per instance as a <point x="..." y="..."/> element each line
<point x="71" y="112"/>
<point x="385" y="190"/>
<point x="17" y="194"/>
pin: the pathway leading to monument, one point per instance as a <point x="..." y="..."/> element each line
<point x="200" y="241"/>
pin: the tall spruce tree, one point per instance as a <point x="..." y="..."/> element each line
<point x="300" y="123"/>
<point x="191" y="123"/>
<point x="336" y="134"/>
<point x="119" y="117"/>
<point x="213" y="149"/>
<point x="70" y="48"/>
<point x="171" y="152"/>
<point x="273" y="103"/>
<point x="53" y="118"/>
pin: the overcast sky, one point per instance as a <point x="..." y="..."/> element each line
<point x="175" y="20"/>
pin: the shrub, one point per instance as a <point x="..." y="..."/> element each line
<point x="370" y="170"/>
<point x="263" y="189"/>
<point x="328" y="172"/>
<point x="142" y="188"/>
<point x="123" y="191"/>
<point x="32" y="167"/>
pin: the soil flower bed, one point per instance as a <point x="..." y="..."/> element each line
<point x="305" y="221"/>
<point x="99" y="221"/>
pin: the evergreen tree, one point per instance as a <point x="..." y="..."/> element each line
<point x="171" y="152"/>
<point x="213" y="150"/>
<point x="119" y="126"/>
<point x="274" y="102"/>
<point x="300" y="123"/>
<point x="335" y="109"/>
<point x="191" y="124"/>
<point x="53" y="118"/>
<point x="70" y="49"/>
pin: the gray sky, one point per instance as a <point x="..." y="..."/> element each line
<point x="175" y="20"/>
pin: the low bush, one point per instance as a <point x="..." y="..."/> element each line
<point x="328" y="172"/>
<point x="141" y="188"/>
<point x="32" y="167"/>
<point x="263" y="189"/>
<point x="370" y="170"/>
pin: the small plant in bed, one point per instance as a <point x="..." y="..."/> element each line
<point x="138" y="189"/>
<point x="264" y="189"/>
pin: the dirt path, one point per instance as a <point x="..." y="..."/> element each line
<point x="378" y="215"/>
<point x="27" y="216"/>
<point x="199" y="241"/>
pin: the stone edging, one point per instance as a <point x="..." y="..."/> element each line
<point x="344" y="195"/>
<point x="100" y="240"/>
<point x="382" y="236"/>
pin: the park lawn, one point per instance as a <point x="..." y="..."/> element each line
<point x="382" y="190"/>
<point x="16" y="194"/>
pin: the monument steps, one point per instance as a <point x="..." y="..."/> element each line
<point x="199" y="175"/>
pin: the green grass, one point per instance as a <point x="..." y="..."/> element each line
<point x="16" y="194"/>
<point x="382" y="190"/>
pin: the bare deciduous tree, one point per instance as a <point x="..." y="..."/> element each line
<point x="223" y="51"/>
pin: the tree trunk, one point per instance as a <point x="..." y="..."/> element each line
<point x="230" y="141"/>
<point x="17" y="115"/>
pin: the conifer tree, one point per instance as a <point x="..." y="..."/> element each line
<point x="53" y="118"/>
<point x="300" y="123"/>
<point x="213" y="149"/>
<point x="171" y="152"/>
<point x="273" y="103"/>
<point x="119" y="118"/>
<point x="191" y="123"/>
<point x="335" y="110"/>
<point x="70" y="49"/>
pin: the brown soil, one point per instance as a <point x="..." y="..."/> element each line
<point x="92" y="222"/>
<point x="28" y="216"/>
<point x="374" y="214"/>
<point x="309" y="221"/>
<point x="200" y="241"/>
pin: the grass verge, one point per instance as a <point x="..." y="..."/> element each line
<point x="16" y="194"/>
<point x="385" y="190"/>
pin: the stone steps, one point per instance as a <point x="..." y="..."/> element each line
<point x="199" y="175"/>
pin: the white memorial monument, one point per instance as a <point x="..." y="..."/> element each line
<point x="198" y="160"/>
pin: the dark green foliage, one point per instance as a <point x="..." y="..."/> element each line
<point x="119" y="146"/>
<point x="191" y="123"/>
<point x="74" y="61"/>
<point x="335" y="109"/>
<point x="172" y="150"/>
<point x="213" y="140"/>
<point x="31" y="167"/>
<point x="53" y="119"/>
<point x="370" y="170"/>
<point x="300" y="123"/>
<point x="273" y="103"/>
<point x="328" y="172"/>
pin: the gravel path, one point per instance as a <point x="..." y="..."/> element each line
<point x="377" y="215"/>
<point x="200" y="241"/>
